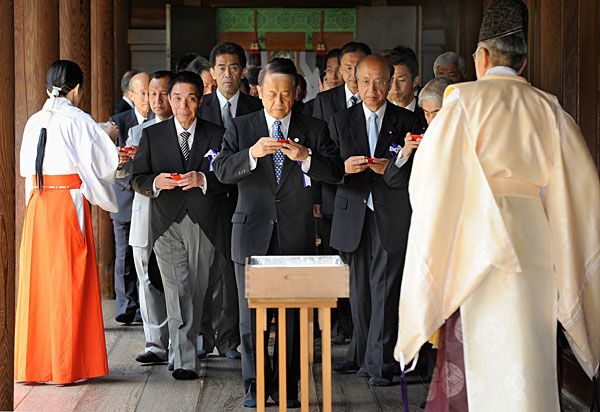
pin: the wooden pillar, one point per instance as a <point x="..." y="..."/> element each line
<point x="36" y="48"/>
<point x="7" y="206"/>
<point x="74" y="24"/>
<point x="102" y="70"/>
<point x="121" y="47"/>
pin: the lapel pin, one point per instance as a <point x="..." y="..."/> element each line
<point x="390" y="132"/>
<point x="296" y="140"/>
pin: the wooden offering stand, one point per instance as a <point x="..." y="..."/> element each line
<point x="290" y="282"/>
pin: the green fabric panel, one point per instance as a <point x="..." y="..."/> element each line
<point x="286" y="20"/>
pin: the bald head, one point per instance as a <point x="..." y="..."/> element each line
<point x="373" y="74"/>
<point x="138" y="92"/>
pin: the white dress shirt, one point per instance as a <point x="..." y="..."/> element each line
<point x="140" y="118"/>
<point x="223" y="100"/>
<point x="412" y="105"/>
<point x="349" y="96"/>
<point x="180" y="129"/>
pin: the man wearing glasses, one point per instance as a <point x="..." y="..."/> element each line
<point x="370" y="219"/>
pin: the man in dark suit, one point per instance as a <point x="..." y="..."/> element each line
<point x="325" y="105"/>
<point x="126" y="289"/>
<point x="228" y="67"/>
<point x="173" y="167"/>
<point x="125" y="103"/>
<point x="405" y="81"/>
<point x="274" y="209"/>
<point x="371" y="220"/>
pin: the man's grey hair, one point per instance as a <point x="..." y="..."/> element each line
<point x="510" y="51"/>
<point x="447" y="58"/>
<point x="126" y="79"/>
<point x="433" y="91"/>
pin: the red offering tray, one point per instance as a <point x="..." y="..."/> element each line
<point x="416" y="136"/>
<point x="282" y="140"/>
<point x="176" y="176"/>
<point x="370" y="159"/>
<point x="127" y="149"/>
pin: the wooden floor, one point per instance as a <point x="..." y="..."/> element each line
<point x="131" y="386"/>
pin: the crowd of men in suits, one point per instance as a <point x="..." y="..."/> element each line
<point x="209" y="179"/>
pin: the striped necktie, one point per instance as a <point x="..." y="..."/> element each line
<point x="278" y="157"/>
<point x="183" y="143"/>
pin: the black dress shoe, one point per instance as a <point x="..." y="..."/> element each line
<point x="291" y="403"/>
<point x="124" y="318"/>
<point x="171" y="367"/>
<point x="338" y="340"/>
<point x="375" y="381"/>
<point x="149" y="357"/>
<point x="362" y="373"/>
<point x="345" y="367"/>
<point x="233" y="354"/>
<point x="184" y="374"/>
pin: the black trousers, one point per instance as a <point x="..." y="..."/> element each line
<point x="248" y="340"/>
<point x="126" y="280"/>
<point x="375" y="278"/>
<point x="220" y="317"/>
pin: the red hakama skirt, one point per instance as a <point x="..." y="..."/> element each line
<point x="59" y="333"/>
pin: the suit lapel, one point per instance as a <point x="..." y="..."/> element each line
<point x="199" y="147"/>
<point x="213" y="111"/>
<point x="387" y="132"/>
<point x="261" y="130"/>
<point x="340" y="98"/>
<point x="296" y="131"/>
<point x="242" y="106"/>
<point x="358" y="129"/>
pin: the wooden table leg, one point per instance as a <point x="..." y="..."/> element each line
<point x="261" y="319"/>
<point x="282" y="361"/>
<point x="311" y="338"/>
<point x="304" y="359"/>
<point x="326" y="356"/>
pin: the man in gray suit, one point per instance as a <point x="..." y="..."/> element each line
<point x="152" y="300"/>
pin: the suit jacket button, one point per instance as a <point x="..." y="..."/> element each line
<point x="277" y="200"/>
<point x="364" y="200"/>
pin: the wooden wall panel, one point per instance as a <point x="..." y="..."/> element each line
<point x="36" y="48"/>
<point x="74" y="35"/>
<point x="333" y="39"/>
<point x="102" y="69"/>
<point x="285" y="41"/>
<point x="7" y="206"/>
<point x="122" y="61"/>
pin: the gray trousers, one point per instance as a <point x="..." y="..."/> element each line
<point x="152" y="305"/>
<point x="184" y="255"/>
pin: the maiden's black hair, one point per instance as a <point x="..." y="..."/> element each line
<point x="62" y="77"/>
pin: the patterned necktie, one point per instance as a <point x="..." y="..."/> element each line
<point x="227" y="117"/>
<point x="373" y="134"/>
<point x="183" y="143"/>
<point x="278" y="157"/>
<point x="353" y="101"/>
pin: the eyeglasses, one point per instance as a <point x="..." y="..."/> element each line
<point x="378" y="83"/>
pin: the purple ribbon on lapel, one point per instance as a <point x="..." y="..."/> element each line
<point x="305" y="179"/>
<point x="211" y="154"/>
<point x="394" y="149"/>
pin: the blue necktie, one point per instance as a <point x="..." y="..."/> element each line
<point x="279" y="156"/>
<point x="373" y="135"/>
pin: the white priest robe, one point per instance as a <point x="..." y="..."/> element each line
<point x="506" y="227"/>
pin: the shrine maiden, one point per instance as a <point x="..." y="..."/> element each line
<point x="68" y="162"/>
